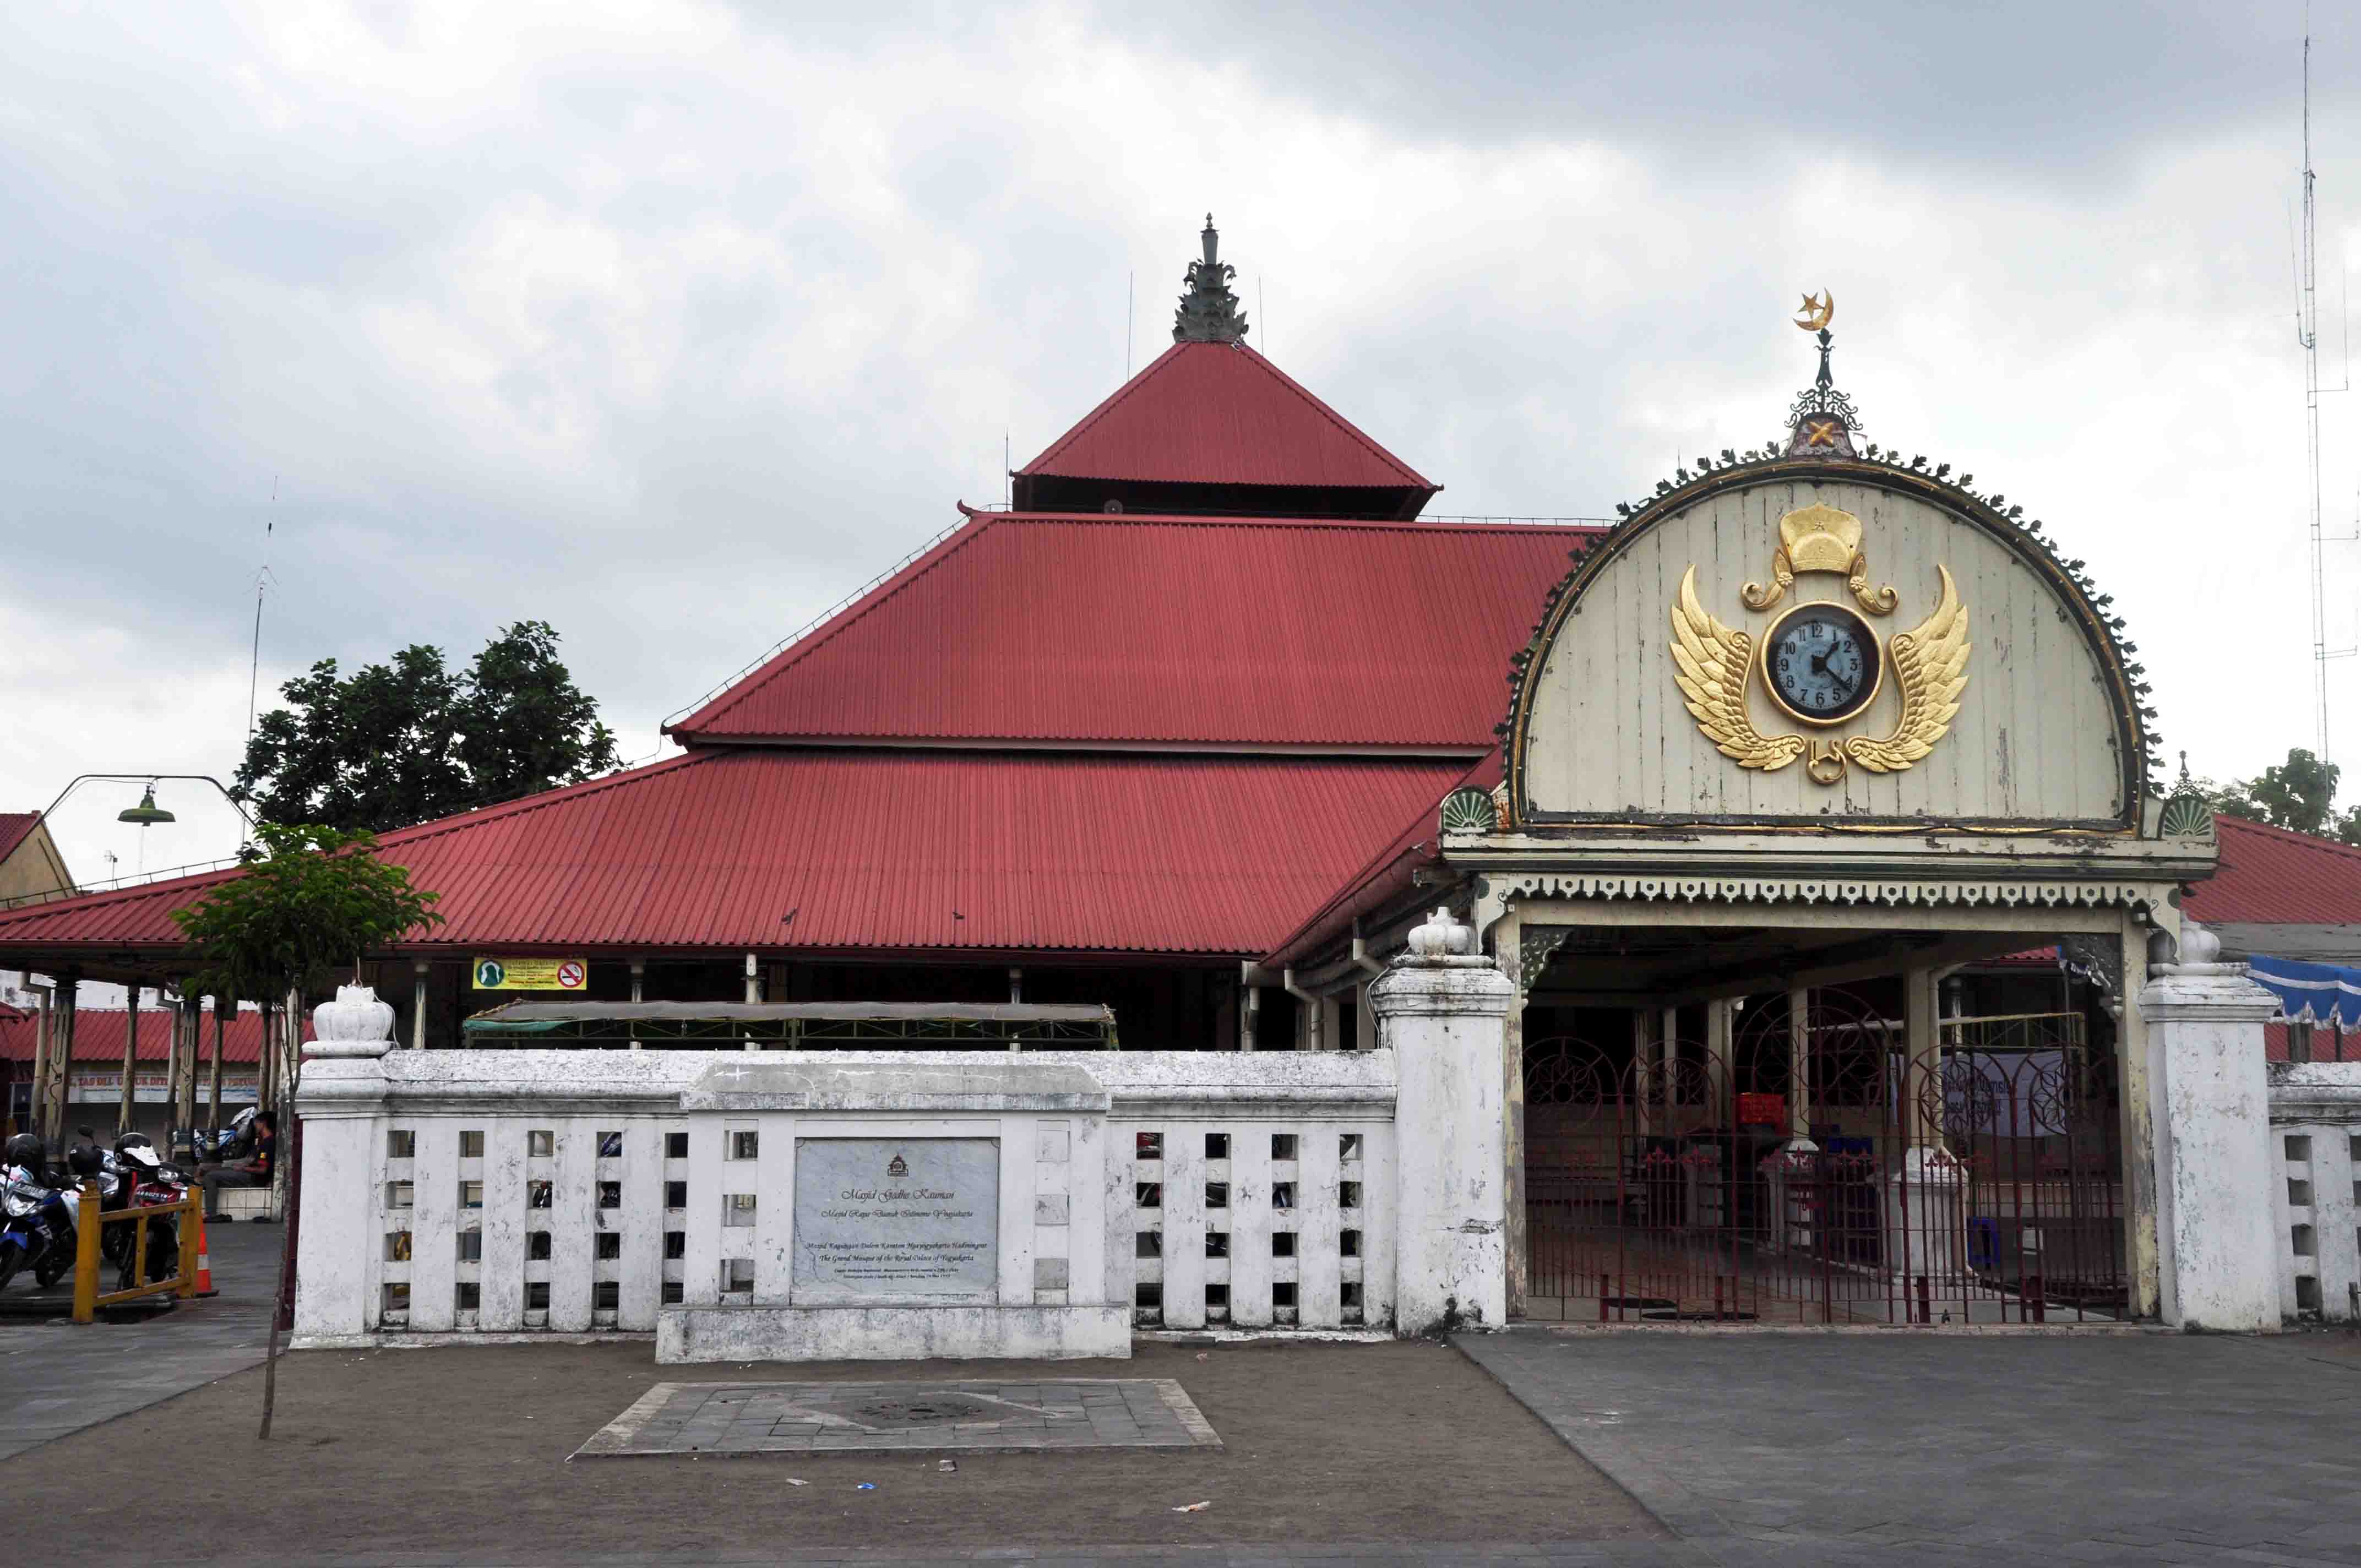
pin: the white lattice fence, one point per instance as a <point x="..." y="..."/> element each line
<point x="1251" y="1223"/>
<point x="504" y="1223"/>
<point x="2319" y="1205"/>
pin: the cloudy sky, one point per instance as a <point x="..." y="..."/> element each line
<point x="673" y="324"/>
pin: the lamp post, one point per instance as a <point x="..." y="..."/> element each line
<point x="144" y="815"/>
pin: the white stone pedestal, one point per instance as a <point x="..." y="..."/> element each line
<point x="1791" y="1172"/>
<point x="339" y="1097"/>
<point x="1443" y="1009"/>
<point x="1926" y="1222"/>
<point x="895" y="1212"/>
<point x="2216" y="1238"/>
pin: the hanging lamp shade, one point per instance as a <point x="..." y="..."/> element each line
<point x="146" y="814"/>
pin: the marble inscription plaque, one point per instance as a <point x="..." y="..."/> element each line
<point x="879" y="1218"/>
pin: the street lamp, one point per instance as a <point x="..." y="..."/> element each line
<point x="146" y="814"/>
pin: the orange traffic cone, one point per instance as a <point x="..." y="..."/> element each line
<point x="205" y="1262"/>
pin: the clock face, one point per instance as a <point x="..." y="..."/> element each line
<point x="1820" y="661"/>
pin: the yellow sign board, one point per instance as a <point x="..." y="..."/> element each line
<point x="532" y="974"/>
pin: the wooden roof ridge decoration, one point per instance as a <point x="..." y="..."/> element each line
<point x="1208" y="312"/>
<point x="1286" y="635"/>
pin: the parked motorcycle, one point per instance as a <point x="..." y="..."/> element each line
<point x="233" y="1141"/>
<point x="37" y="1221"/>
<point x="132" y="1175"/>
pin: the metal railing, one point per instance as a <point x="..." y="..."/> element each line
<point x="90" y="1252"/>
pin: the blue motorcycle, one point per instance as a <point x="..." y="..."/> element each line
<point x="36" y="1229"/>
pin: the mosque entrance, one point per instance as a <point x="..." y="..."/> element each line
<point x="1804" y="1168"/>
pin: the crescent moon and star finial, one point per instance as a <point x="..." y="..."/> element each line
<point x="1817" y="311"/>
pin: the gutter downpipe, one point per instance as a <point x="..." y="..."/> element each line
<point x="1251" y="980"/>
<point x="1364" y="1030"/>
<point x="1311" y="1026"/>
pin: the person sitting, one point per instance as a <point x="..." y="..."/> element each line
<point x="255" y="1172"/>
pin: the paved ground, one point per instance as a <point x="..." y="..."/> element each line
<point x="904" y="1416"/>
<point x="1835" y="1449"/>
<point x="58" y="1378"/>
<point x="459" y="1454"/>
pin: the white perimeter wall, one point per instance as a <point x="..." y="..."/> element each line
<point x="541" y="1191"/>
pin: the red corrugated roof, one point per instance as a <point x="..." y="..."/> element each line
<point x="15" y="827"/>
<point x="866" y="850"/>
<point x="1384" y="875"/>
<point x="98" y="1036"/>
<point x="2270" y="876"/>
<point x="1169" y="631"/>
<point x="1219" y="414"/>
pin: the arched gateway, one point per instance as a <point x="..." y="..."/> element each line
<point x="1810" y="731"/>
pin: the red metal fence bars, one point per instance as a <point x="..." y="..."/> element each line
<point x="1982" y="1186"/>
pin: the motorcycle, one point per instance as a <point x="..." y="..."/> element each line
<point x="131" y="1175"/>
<point x="225" y="1143"/>
<point x="37" y="1218"/>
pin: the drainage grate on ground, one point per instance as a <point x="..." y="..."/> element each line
<point x="904" y="1417"/>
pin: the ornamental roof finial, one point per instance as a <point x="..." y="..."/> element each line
<point x="1209" y="312"/>
<point x="1823" y="419"/>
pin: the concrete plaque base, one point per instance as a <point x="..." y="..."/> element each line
<point x="890" y="1334"/>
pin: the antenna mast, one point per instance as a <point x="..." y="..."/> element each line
<point x="2307" y="335"/>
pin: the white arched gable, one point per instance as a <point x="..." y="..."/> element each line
<point x="2045" y="732"/>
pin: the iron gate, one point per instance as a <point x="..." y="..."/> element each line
<point x="1982" y="1188"/>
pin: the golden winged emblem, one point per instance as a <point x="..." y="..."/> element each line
<point x="1930" y="671"/>
<point x="1712" y="663"/>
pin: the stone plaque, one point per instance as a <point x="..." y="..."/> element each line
<point x="886" y="1219"/>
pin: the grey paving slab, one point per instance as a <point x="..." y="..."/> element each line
<point x="917" y="1416"/>
<point x="1767" y="1448"/>
<point x="58" y="1376"/>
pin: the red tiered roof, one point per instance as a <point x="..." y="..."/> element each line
<point x="1171" y="633"/>
<point x="859" y="852"/>
<point x="1219" y="414"/>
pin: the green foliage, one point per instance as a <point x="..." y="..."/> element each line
<point x="408" y="742"/>
<point x="2299" y="794"/>
<point x="314" y="899"/>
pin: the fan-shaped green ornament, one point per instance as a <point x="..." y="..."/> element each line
<point x="1469" y="810"/>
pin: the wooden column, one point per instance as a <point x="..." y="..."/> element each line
<point x="1720" y="1032"/>
<point x="188" y="1023"/>
<point x="2135" y="1083"/>
<point x="130" y="1058"/>
<point x="1799" y="1062"/>
<point x="62" y="1049"/>
<point x="1922" y="1041"/>
<point x="225" y="1009"/>
<point x="42" y="1027"/>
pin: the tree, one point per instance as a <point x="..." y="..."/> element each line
<point x="2299" y="794"/>
<point x="312" y="899"/>
<point x="408" y="742"/>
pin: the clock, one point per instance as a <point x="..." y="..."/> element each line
<point x="1821" y="662"/>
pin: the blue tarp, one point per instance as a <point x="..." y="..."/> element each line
<point x="2310" y="992"/>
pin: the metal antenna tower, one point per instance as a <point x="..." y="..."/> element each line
<point x="2307" y="333"/>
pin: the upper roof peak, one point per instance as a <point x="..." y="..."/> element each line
<point x="1209" y="312"/>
